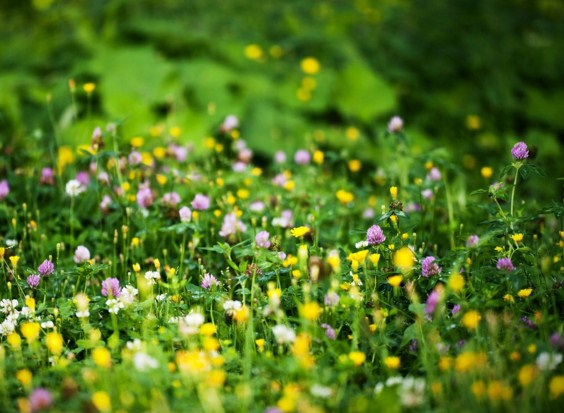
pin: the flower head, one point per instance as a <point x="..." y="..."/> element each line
<point x="47" y="176"/>
<point x="302" y="157"/>
<point x="33" y="280"/>
<point x="395" y="124"/>
<point x="374" y="235"/>
<point x="4" y="189"/>
<point x="81" y="254"/>
<point x="505" y="264"/>
<point x="520" y="151"/>
<point x="46" y="268"/>
<point x="472" y="241"/>
<point x="299" y="232"/>
<point x="185" y="214"/>
<point x="201" y="202"/>
<point x="144" y="197"/>
<point x="209" y="281"/>
<point x="110" y="286"/>
<point x="262" y="239"/>
<point x="171" y="199"/>
<point x="429" y="267"/>
<point x="231" y="225"/>
<point x="40" y="399"/>
<point x="74" y="188"/>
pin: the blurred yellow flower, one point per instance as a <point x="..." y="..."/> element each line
<point x="357" y="357"/>
<point x="473" y="122"/>
<point x="253" y="52"/>
<point x="352" y="133"/>
<point x="54" y="342"/>
<point x="395" y="280"/>
<point x="14" y="340"/>
<point x="101" y="400"/>
<point x="404" y="259"/>
<point x="318" y="157"/>
<point x="527" y="374"/>
<point x="310" y="311"/>
<point x="344" y="196"/>
<point x="392" y="362"/>
<point x="241" y="315"/>
<point x="208" y="329"/>
<point x="102" y="357"/>
<point x="354" y="165"/>
<point x="24" y="376"/>
<point x="487" y="172"/>
<point x="394" y="192"/>
<point x="30" y="330"/>
<point x="525" y="292"/>
<point x="471" y="319"/>
<point x="556" y="386"/>
<point x="517" y="237"/>
<point x="456" y="282"/>
<point x="14" y="259"/>
<point x="89" y="87"/>
<point x="359" y="256"/>
<point x="310" y="65"/>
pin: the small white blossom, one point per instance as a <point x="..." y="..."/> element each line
<point x="231" y="307"/>
<point x="152" y="276"/>
<point x="128" y="294"/>
<point x="74" y="188"/>
<point x="547" y="361"/>
<point x="47" y="324"/>
<point x="320" y="391"/>
<point x="143" y="361"/>
<point x="283" y="334"/>
<point x="114" y="305"/>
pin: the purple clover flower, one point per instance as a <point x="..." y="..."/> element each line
<point x="4" y="189"/>
<point x="302" y="157"/>
<point x="432" y="302"/>
<point x="395" y="124"/>
<point x="40" y="399"/>
<point x="33" y="281"/>
<point x="329" y="331"/>
<point x="144" y="197"/>
<point x="505" y="264"/>
<point x="374" y="235"/>
<point x="47" y="176"/>
<point x="455" y="309"/>
<point x="262" y="239"/>
<point x="201" y="202"/>
<point x="520" y="151"/>
<point x="209" y="281"/>
<point x="185" y="214"/>
<point x="46" y="268"/>
<point x="110" y="286"/>
<point x="430" y="267"/>
<point x="171" y="199"/>
<point x="472" y="241"/>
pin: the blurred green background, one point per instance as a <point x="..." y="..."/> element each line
<point x="474" y="75"/>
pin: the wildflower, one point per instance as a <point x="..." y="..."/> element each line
<point x="14" y="259"/>
<point x="283" y="334"/>
<point x="299" y="232"/>
<point x="434" y="175"/>
<point x="82" y="301"/>
<point x="456" y="282"/>
<point x="30" y="330"/>
<point x="185" y="214"/>
<point x="392" y="362"/>
<point x="74" y="188"/>
<point x="505" y="264"/>
<point x="427" y="194"/>
<point x="257" y="206"/>
<point x="471" y="319"/>
<point x="310" y="311"/>
<point x="114" y="305"/>
<point x="374" y="235"/>
<point x="101" y="400"/>
<point x="105" y="203"/>
<point x="47" y="176"/>
<point x="525" y="292"/>
<point x="46" y="268"/>
<point x="171" y="199"/>
<point x="344" y="197"/>
<point x="232" y="306"/>
<point x="331" y="299"/>
<point x="320" y="391"/>
<point x="432" y="301"/>
<point x="556" y="386"/>
<point x="241" y="315"/>
<point x="152" y="277"/>
<point x="33" y="281"/>
<point x="395" y="280"/>
<point x="280" y="157"/>
<point x="200" y="202"/>
<point x="404" y="259"/>
<point x="357" y="357"/>
<point x="144" y="197"/>
<point x="24" y="376"/>
<point x="110" y="287"/>
<point x="54" y="342"/>
<point x="329" y="331"/>
<point x="231" y="225"/>
<point x="527" y="373"/>
<point x="318" y="157"/>
<point x="4" y="189"/>
<point x="209" y="281"/>
<point x="548" y="361"/>
<point x="143" y="362"/>
<point x="231" y="122"/>
<point x="134" y="158"/>
<point x="40" y="399"/>
<point x="472" y="241"/>
<point x="302" y="157"/>
<point x="412" y="391"/>
<point x="395" y="125"/>
<point x="520" y="151"/>
<point x="310" y="65"/>
<point x="128" y="294"/>
<point x="517" y="237"/>
<point x="262" y="239"/>
<point x="81" y="254"/>
<point x="429" y="267"/>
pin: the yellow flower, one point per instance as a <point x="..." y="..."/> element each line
<point x="486" y="172"/>
<point x="357" y="357"/>
<point x="354" y="165"/>
<point x="243" y="193"/>
<point x="260" y="344"/>
<point x="359" y="256"/>
<point x="478" y="389"/>
<point x="471" y="319"/>
<point x="136" y="266"/>
<point x="525" y="292"/>
<point x="208" y="329"/>
<point x="394" y="192"/>
<point x="311" y="311"/>
<point x="509" y="298"/>
<point x="89" y="87"/>
<point x="352" y="133"/>
<point x="395" y="280"/>
<point x="161" y="179"/>
<point x="445" y="363"/>
<point x="456" y="282"/>
<point x="374" y="258"/>
<point x="14" y="259"/>
<point x="157" y="263"/>
<point x="30" y="302"/>
<point x="299" y="232"/>
<point x="2" y="252"/>
<point x="344" y="197"/>
<point x="24" y="376"/>
<point x="334" y="262"/>
<point x="527" y="373"/>
<point x="310" y="65"/>
<point x="499" y="391"/>
<point x="253" y="52"/>
<point x="102" y="357"/>
<point x="14" y="340"/>
<point x="556" y="386"/>
<point x="473" y="122"/>
<point x="30" y="330"/>
<point x="517" y="237"/>
<point x="101" y="400"/>
<point x="241" y="315"/>
<point x="392" y="362"/>
<point x="404" y="259"/>
<point x="469" y="360"/>
<point x="216" y="378"/>
<point x="318" y="157"/>
<point x="54" y="342"/>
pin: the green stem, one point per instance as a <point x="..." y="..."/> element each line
<point x="514" y="186"/>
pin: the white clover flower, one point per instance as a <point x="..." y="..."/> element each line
<point x="83" y="314"/>
<point x="47" y="324"/>
<point x="190" y="324"/>
<point x="152" y="276"/>
<point x="361" y="244"/>
<point x="320" y="391"/>
<point x="231" y="307"/>
<point x="161" y="297"/>
<point x="283" y="334"/>
<point x="8" y="306"/>
<point x="128" y="294"/>
<point x="74" y="188"/>
<point x="135" y="345"/>
<point x="114" y="305"/>
<point x="412" y="392"/>
<point x="143" y="362"/>
<point x="548" y="361"/>
<point x="27" y="313"/>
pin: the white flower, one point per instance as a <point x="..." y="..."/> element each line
<point x="161" y="297"/>
<point x="412" y="391"/>
<point x="114" y="305"/>
<point x="83" y="314"/>
<point x="323" y="392"/>
<point x="26" y="312"/>
<point x="134" y="345"/>
<point x="47" y="324"/>
<point x="231" y="307"/>
<point x="7" y="327"/>
<point x="8" y="306"/>
<point x="152" y="276"/>
<point x="74" y="188"/>
<point x="547" y="361"/>
<point x="128" y="294"/>
<point x="81" y="254"/>
<point x="143" y="361"/>
<point x="283" y="334"/>
<point x="190" y="324"/>
<point x="361" y="244"/>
